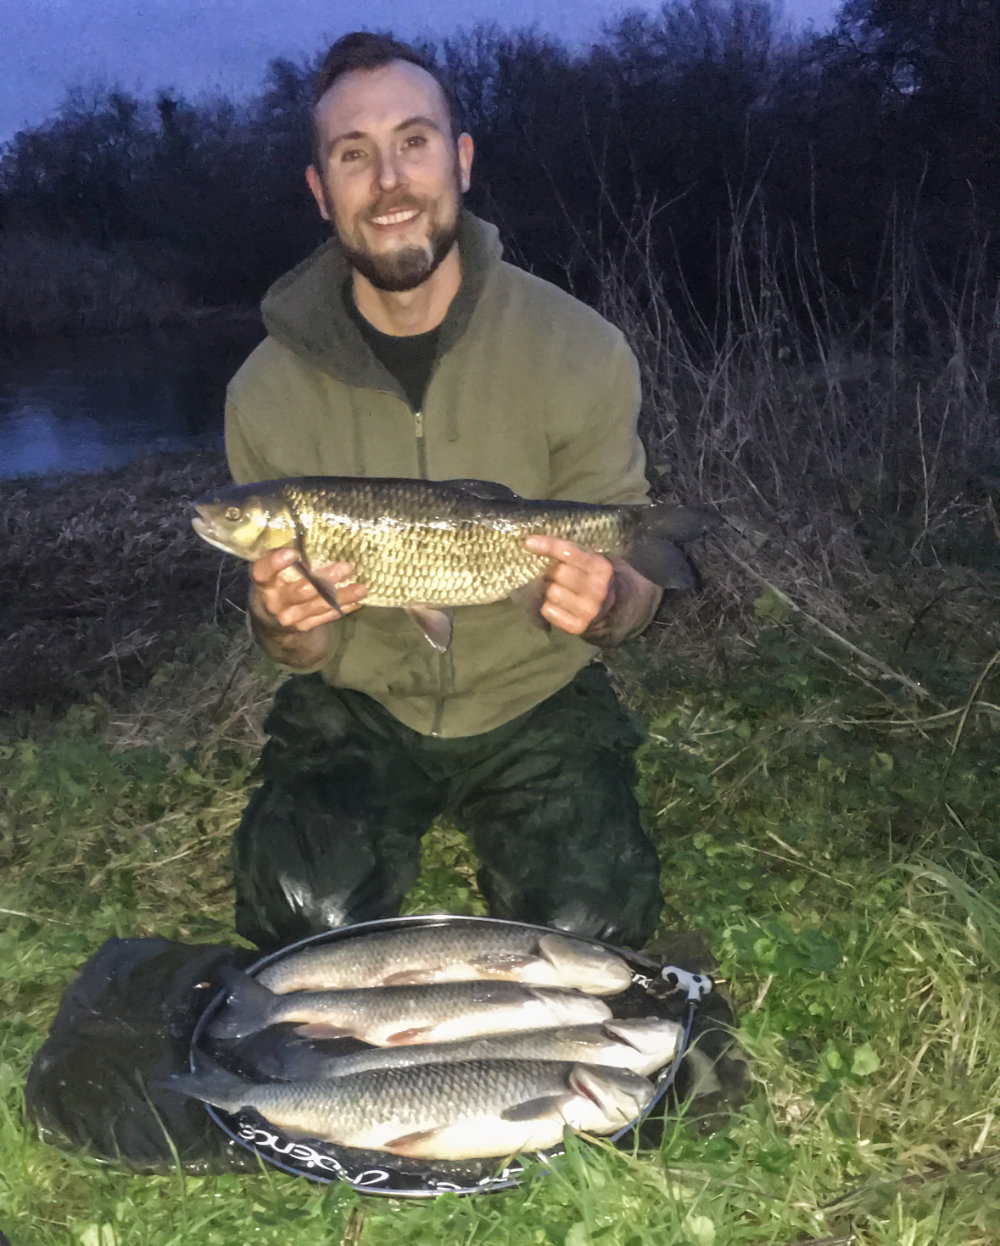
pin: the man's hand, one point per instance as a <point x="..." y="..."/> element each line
<point x="290" y="618"/>
<point x="589" y="596"/>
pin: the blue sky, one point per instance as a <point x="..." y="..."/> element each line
<point x="207" y="46"/>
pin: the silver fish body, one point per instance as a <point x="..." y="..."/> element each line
<point x="395" y="1015"/>
<point x="474" y="1109"/>
<point x="641" y="1045"/>
<point x="423" y="954"/>
<point x="438" y="544"/>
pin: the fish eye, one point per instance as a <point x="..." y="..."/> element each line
<point x="232" y="513"/>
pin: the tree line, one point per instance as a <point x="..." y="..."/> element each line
<point x="835" y="156"/>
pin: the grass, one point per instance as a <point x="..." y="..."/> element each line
<point x="837" y="849"/>
<point x="821" y="778"/>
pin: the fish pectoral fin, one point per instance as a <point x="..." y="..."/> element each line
<point x="317" y="1029"/>
<point x="530" y="598"/>
<point x="534" y="1109"/>
<point x="326" y="590"/>
<point x="404" y="1038"/>
<point x="486" y="490"/>
<point x="410" y="977"/>
<point x="436" y="625"/>
<point x="502" y="964"/>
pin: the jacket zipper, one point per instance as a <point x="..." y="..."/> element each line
<point x="418" y="432"/>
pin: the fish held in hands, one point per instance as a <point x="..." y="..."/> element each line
<point x="429" y="546"/>
<point x="469" y="1110"/>
<point x="425" y="954"/>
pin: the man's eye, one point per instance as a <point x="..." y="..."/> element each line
<point x="416" y="140"/>
<point x="351" y="154"/>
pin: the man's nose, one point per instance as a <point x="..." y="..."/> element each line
<point x="390" y="170"/>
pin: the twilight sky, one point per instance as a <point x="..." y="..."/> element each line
<point x="206" y="46"/>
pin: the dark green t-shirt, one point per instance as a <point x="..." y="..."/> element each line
<point x="409" y="359"/>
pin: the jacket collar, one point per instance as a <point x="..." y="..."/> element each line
<point x="304" y="309"/>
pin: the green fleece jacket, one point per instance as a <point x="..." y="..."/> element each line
<point x="530" y="388"/>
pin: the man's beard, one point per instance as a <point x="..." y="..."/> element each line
<point x="408" y="267"/>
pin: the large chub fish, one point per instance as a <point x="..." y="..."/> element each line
<point x="429" y="546"/>
<point x="474" y="1109"/>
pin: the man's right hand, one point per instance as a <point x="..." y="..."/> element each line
<point x="291" y="620"/>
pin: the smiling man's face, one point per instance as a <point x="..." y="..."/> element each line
<point x="390" y="175"/>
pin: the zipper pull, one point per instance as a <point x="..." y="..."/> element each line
<point x="418" y="423"/>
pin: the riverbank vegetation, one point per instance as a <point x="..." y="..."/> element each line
<point x="821" y="780"/>
<point x="820" y="777"/>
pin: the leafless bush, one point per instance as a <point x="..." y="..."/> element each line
<point x="55" y="285"/>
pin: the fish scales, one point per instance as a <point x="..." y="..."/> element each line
<point x="413" y="543"/>
<point x="436" y="953"/>
<point x="641" y="1045"/>
<point x="394" y="1015"/>
<point x="478" y="1108"/>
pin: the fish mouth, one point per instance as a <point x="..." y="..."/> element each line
<point x="204" y="525"/>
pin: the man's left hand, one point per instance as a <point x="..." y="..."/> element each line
<point x="587" y="595"/>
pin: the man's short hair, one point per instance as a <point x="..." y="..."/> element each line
<point x="367" y="50"/>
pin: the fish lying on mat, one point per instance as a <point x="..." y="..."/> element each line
<point x="473" y="1109"/>
<point x="393" y="1015"/>
<point x="642" y="1045"/>
<point x="423" y="954"/>
<point x="428" y="546"/>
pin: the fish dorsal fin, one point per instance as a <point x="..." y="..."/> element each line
<point x="436" y="625"/>
<point x="485" y="490"/>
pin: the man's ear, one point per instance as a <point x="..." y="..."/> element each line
<point x="466" y="149"/>
<point x="315" y="184"/>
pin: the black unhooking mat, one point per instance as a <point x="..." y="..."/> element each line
<point x="126" y="1023"/>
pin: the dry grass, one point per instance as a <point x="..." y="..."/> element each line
<point x="102" y="580"/>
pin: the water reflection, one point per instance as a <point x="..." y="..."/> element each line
<point x="81" y="406"/>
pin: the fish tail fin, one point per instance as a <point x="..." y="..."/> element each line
<point x="210" y="1083"/>
<point x="655" y="549"/>
<point x="247" y="1010"/>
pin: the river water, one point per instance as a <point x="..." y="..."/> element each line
<point x="82" y="405"/>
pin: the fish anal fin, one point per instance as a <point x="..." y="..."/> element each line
<point x="530" y="598"/>
<point x="436" y="625"/>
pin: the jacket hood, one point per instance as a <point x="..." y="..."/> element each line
<point x="305" y="312"/>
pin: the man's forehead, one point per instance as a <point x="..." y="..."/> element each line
<point x="367" y="99"/>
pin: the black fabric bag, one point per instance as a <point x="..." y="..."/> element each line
<point x="124" y="1024"/>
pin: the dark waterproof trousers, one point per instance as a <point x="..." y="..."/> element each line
<point x="333" y="835"/>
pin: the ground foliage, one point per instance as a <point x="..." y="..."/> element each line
<point x="820" y="777"/>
